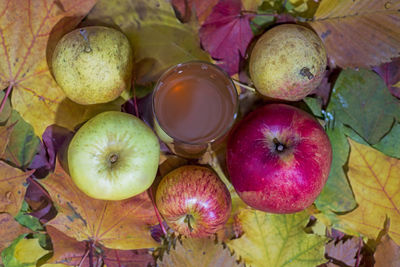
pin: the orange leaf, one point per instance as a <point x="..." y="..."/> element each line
<point x="114" y="224"/>
<point x="12" y="188"/>
<point x="375" y="180"/>
<point x="11" y="229"/>
<point x="387" y="253"/>
<point x="29" y="31"/>
<point x="359" y="33"/>
<point x="5" y="133"/>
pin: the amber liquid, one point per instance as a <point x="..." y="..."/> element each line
<point x="195" y="103"/>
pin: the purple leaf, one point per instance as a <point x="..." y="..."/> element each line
<point x="390" y="73"/>
<point x="226" y="34"/>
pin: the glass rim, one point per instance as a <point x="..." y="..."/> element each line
<point x="234" y="114"/>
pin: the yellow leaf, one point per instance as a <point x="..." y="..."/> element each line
<point x="397" y="84"/>
<point x="29" y="250"/>
<point x="359" y="33"/>
<point x="251" y="5"/>
<point x="375" y="179"/>
<point x="277" y="240"/>
<point x="159" y="40"/>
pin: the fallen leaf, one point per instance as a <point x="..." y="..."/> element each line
<point x="5" y="133"/>
<point x="10" y="230"/>
<point x="23" y="143"/>
<point x="226" y="34"/>
<point x="344" y="251"/>
<point x="277" y="240"/>
<point x="28" y="220"/>
<point x="12" y="188"/>
<point x="361" y="100"/>
<point x="390" y="73"/>
<point x="186" y="7"/>
<point x="359" y="33"/>
<point x="337" y="195"/>
<point x="23" y="252"/>
<point x="72" y="252"/>
<point x="6" y="112"/>
<point x="114" y="224"/>
<point x="251" y="5"/>
<point x="157" y="37"/>
<point x="29" y="32"/>
<point x="390" y="144"/>
<point x="375" y="180"/>
<point x="198" y="252"/>
<point x="387" y="253"/>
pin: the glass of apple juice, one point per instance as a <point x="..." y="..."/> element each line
<point x="194" y="105"/>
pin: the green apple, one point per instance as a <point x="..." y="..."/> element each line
<point x="113" y="156"/>
<point x="93" y="65"/>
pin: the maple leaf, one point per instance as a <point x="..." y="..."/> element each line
<point x="69" y="251"/>
<point x="343" y="250"/>
<point x="159" y="40"/>
<point x="359" y="33"/>
<point x="198" y="252"/>
<point x="12" y="188"/>
<point x="11" y="229"/>
<point x="374" y="178"/>
<point x="390" y="73"/>
<point x="29" y="31"/>
<point x="226" y="33"/>
<point x="5" y="133"/>
<point x="114" y="224"/>
<point x="202" y="8"/>
<point x="277" y="240"/>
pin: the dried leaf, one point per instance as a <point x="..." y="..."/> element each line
<point x="185" y="8"/>
<point x="10" y="230"/>
<point x="5" y="133"/>
<point x="29" y="32"/>
<point x="196" y="252"/>
<point x="361" y="100"/>
<point x="277" y="240"/>
<point x="226" y="34"/>
<point x="114" y="224"/>
<point x="70" y="251"/>
<point x="390" y="73"/>
<point x="387" y="253"/>
<point x="359" y="33"/>
<point x="337" y="195"/>
<point x="158" y="39"/>
<point x="23" y="143"/>
<point x="375" y="180"/>
<point x="23" y="252"/>
<point x="12" y="188"/>
<point x="344" y="251"/>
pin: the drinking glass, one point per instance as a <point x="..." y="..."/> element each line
<point x="194" y="105"/>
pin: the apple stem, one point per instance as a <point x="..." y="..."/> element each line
<point x="83" y="32"/>
<point x="188" y="219"/>
<point x="113" y="158"/>
<point x="306" y="72"/>
<point x="157" y="212"/>
<point x="244" y="85"/>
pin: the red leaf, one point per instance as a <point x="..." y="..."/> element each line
<point x="226" y="34"/>
<point x="390" y="73"/>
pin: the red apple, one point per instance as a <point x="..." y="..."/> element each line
<point x="193" y="201"/>
<point x="278" y="158"/>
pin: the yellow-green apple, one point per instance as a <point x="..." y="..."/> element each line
<point x="113" y="156"/>
<point x="193" y="201"/>
<point x="93" y="64"/>
<point x="287" y="62"/>
<point x="278" y="158"/>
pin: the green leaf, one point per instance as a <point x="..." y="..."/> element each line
<point x="26" y="220"/>
<point x="315" y="105"/>
<point x="337" y="195"/>
<point x="390" y="144"/>
<point x="23" y="143"/>
<point x="361" y="100"/>
<point x="159" y="40"/>
<point x="277" y="240"/>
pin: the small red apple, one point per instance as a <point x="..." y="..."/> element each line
<point x="193" y="201"/>
<point x="278" y="159"/>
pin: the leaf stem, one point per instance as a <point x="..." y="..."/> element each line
<point x="3" y="101"/>
<point x="84" y="258"/>
<point x="157" y="212"/>
<point x="244" y="85"/>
